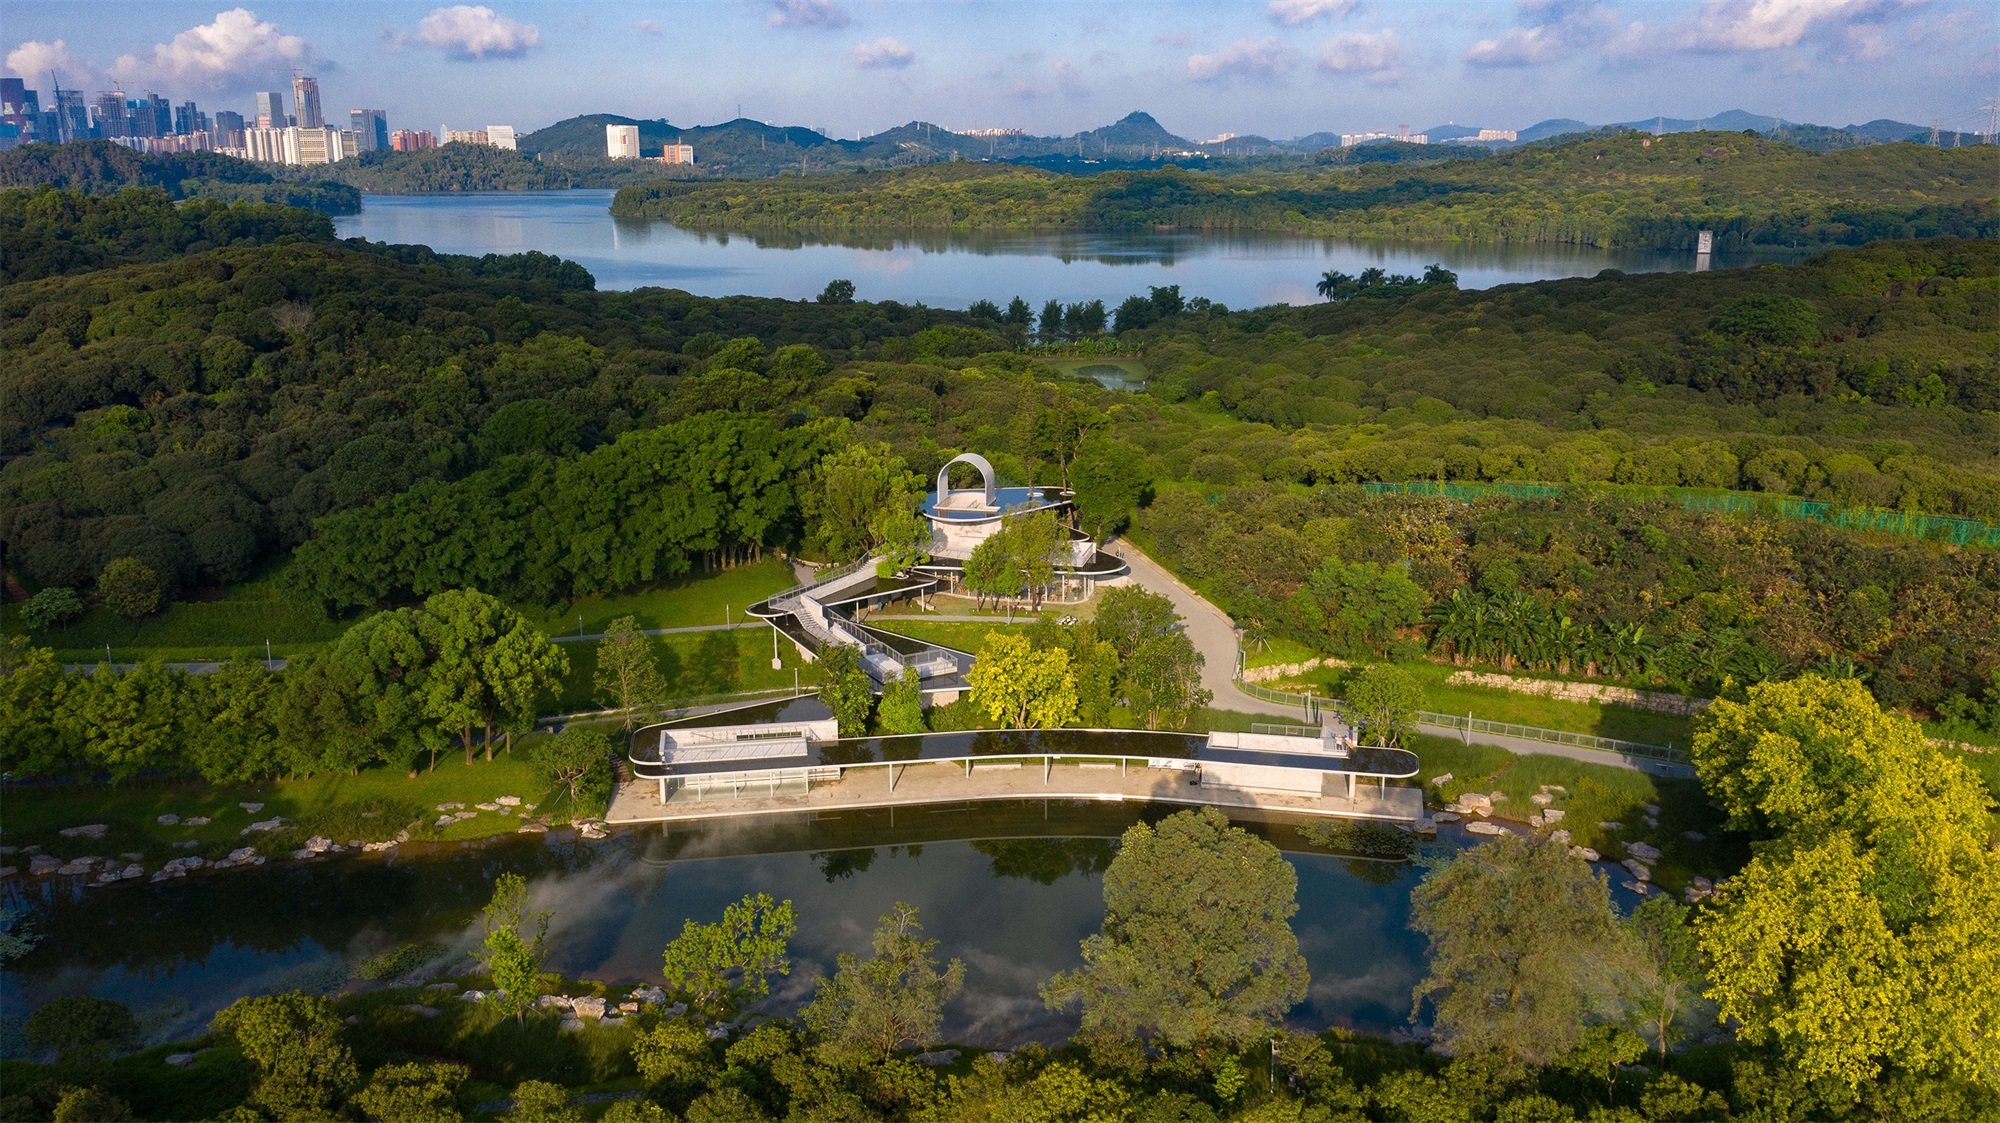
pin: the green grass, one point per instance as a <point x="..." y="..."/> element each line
<point x="1493" y="704"/>
<point x="962" y="636"/>
<point x="321" y="804"/>
<point x="699" y="599"/>
<point x="695" y="665"/>
<point x="1276" y="651"/>
<point x="1596" y="793"/>
<point x="236" y="621"/>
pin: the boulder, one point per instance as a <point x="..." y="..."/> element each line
<point x="77" y="867"/>
<point x="451" y="807"/>
<point x="610" y="1021"/>
<point x="197" y="821"/>
<point x="1497" y="797"/>
<point x="1535" y="820"/>
<point x="675" y="1010"/>
<point x="402" y="836"/>
<point x="717" y="1033"/>
<point x="165" y="875"/>
<point x="189" y="863"/>
<point x="242" y="853"/>
<point x="487" y="806"/>
<point x="376" y="847"/>
<point x="1637" y="869"/>
<point x="252" y="808"/>
<point x="533" y="828"/>
<point x="1701" y="883"/>
<point x="320" y="844"/>
<point x="9" y="871"/>
<point x="1425" y="826"/>
<point x="1541" y="799"/>
<point x="1553" y="814"/>
<point x="473" y="996"/>
<point x="1446" y="816"/>
<point x="652" y="996"/>
<point x="937" y="1058"/>
<point x="587" y="1006"/>
<point x="1585" y="852"/>
<point x="1559" y="837"/>
<point x="168" y="820"/>
<point x="552" y="1001"/>
<point x="1441" y="779"/>
<point x="1642" y="851"/>
<point x="592" y="831"/>
<point x="1555" y="788"/>
<point x="1476" y="803"/>
<point x="42" y="865"/>
<point x="181" y="1060"/>
<point x="571" y="1025"/>
<point x="628" y="1007"/>
<point x="1638" y="887"/>
<point x="88" y="830"/>
<point x="1481" y="826"/>
<point x="1650" y="808"/>
<point x="445" y="820"/>
<point x="265" y="825"/>
<point x="509" y="801"/>
<point x="304" y="853"/>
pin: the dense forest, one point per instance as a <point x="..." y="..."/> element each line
<point x="100" y="167"/>
<point x="411" y="422"/>
<point x="1623" y="190"/>
<point x="478" y="167"/>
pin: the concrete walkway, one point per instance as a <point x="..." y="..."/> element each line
<point x="638" y="801"/>
<point x="1211" y="630"/>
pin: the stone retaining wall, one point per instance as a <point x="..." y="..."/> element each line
<point x="1590" y="692"/>
<point x="1277" y="671"/>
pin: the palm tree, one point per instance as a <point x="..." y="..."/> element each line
<point x="1332" y="282"/>
<point x="1436" y="274"/>
<point x="1371" y="277"/>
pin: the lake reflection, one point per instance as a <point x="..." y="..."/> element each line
<point x="951" y="270"/>
<point x="1013" y="903"/>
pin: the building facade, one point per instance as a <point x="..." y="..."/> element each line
<point x="409" y="140"/>
<point x="305" y="102"/>
<point x="621" y="142"/>
<point x="371" y="129"/>
<point x="677" y="154"/>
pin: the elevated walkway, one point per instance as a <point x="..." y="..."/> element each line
<point x="817" y="614"/>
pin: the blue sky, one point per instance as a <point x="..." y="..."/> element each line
<point x="1275" y="67"/>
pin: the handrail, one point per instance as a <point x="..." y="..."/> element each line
<point x="819" y="579"/>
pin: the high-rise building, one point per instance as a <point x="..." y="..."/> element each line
<point x="271" y="110"/>
<point x="152" y="115"/>
<point x="72" y="116"/>
<point x="371" y="129"/>
<point x="464" y="136"/>
<point x="409" y="140"/>
<point x="500" y="136"/>
<point x="677" y="153"/>
<point x="111" y="114"/>
<point x="188" y="119"/>
<point x="13" y="96"/>
<point x="228" y="128"/>
<point x="305" y="102"/>
<point x="621" y="142"/>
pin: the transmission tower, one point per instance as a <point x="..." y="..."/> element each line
<point x="1993" y="120"/>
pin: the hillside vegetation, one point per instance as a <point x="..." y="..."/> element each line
<point x="1624" y="190"/>
<point x="101" y="167"/>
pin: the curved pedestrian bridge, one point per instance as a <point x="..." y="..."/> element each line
<point x="691" y="773"/>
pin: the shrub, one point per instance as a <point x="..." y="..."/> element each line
<point x="53" y="607"/>
<point x="129" y="587"/>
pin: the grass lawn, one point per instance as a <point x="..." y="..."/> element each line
<point x="962" y="636"/>
<point x="1492" y="704"/>
<point x="1276" y="651"/>
<point x="237" y="620"/>
<point x="1595" y="793"/>
<point x="371" y="805"/>
<point x="695" y="665"/>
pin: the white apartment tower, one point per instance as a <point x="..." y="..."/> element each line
<point x="621" y="142"/>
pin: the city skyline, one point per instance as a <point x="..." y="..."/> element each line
<point x="1282" y="68"/>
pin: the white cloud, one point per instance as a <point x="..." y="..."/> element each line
<point x="650" y="27"/>
<point x="471" y="31"/>
<point x="1246" y="58"/>
<point x="1380" y="54"/>
<point x="1553" y="29"/>
<point x="808" y="13"/>
<point x="1766" y="25"/>
<point x="34" y="59"/>
<point x="216" y="55"/>
<point x="883" y="54"/>
<point x="1293" y="13"/>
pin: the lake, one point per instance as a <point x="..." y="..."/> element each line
<point x="950" y="270"/>
<point x="1011" y="889"/>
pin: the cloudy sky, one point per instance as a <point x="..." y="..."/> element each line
<point x="1279" y="68"/>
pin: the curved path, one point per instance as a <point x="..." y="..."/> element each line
<point x="1214" y="635"/>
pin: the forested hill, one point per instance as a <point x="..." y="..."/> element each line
<point x="100" y="167"/>
<point x="1624" y="190"/>
<point x="478" y="167"/>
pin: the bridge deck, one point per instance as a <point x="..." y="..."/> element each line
<point x="947" y="782"/>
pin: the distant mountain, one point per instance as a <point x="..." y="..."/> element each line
<point x="1135" y="130"/>
<point x="1313" y="142"/>
<point x="1888" y="131"/>
<point x="1542" y="130"/>
<point x="1438" y="134"/>
<point x="1732" y="121"/>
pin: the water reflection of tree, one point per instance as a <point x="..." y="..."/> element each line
<point x="837" y="864"/>
<point x="1374" y="871"/>
<point x="1048" y="860"/>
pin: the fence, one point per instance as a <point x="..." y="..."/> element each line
<point x="1929" y="528"/>
<point x="1314" y="707"/>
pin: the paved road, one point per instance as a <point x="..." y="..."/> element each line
<point x="1211" y="630"/>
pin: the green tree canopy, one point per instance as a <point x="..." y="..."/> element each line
<point x="871" y="1008"/>
<point x="1197" y="945"/>
<point x="724" y="965"/>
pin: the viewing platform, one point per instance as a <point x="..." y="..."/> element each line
<point x="686" y="774"/>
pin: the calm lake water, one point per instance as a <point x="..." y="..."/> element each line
<point x="948" y="271"/>
<point x="1011" y="889"/>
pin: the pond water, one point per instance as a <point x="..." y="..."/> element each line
<point x="950" y="270"/>
<point x="1011" y="889"/>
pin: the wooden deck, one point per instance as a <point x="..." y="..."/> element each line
<point x="915" y="784"/>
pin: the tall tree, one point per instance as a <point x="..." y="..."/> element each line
<point x="514" y="946"/>
<point x="574" y="767"/>
<point x="1128" y="616"/>
<point x="1858" y="932"/>
<point x="902" y="708"/>
<point x="294" y="1039"/>
<point x="871" y="1008"/>
<point x="846" y="688"/>
<point x="1384" y="699"/>
<point x="627" y="675"/>
<point x="1021" y="687"/>
<point x="1664" y="975"/>
<point x="1163" y="681"/>
<point x="1197" y="945"/>
<point x="724" y="965"/>
<point x="1524" y="945"/>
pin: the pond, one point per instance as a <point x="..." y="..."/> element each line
<point x="1009" y="888"/>
<point x="952" y="270"/>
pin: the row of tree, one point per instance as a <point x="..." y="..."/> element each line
<point x="394" y="689"/>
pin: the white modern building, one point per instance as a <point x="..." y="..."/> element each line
<point x="501" y="136"/>
<point x="621" y="142"/>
